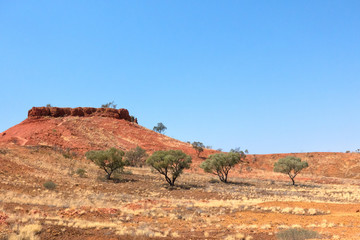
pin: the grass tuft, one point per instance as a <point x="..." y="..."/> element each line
<point x="297" y="234"/>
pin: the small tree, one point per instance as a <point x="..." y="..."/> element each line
<point x="109" y="160"/>
<point x="136" y="156"/>
<point x="237" y="150"/>
<point x="169" y="163"/>
<point x="199" y="147"/>
<point x="291" y="166"/>
<point x="160" y="128"/>
<point x="109" y="105"/>
<point x="221" y="163"/>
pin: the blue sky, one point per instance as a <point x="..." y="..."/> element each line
<point x="269" y="76"/>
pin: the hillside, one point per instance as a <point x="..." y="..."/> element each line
<point x="84" y="129"/>
<point x="83" y="132"/>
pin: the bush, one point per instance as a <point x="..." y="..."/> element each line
<point x="169" y="163"/>
<point x="297" y="234"/>
<point x="291" y="166"/>
<point x="199" y="147"/>
<point x="81" y="172"/>
<point x="136" y="157"/>
<point x="108" y="160"/>
<point x="221" y="163"/>
<point x="160" y="128"/>
<point x="49" y="185"/>
<point x="109" y="105"/>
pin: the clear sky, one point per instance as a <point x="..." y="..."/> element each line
<point x="269" y="76"/>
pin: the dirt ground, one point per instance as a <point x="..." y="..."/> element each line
<point x="138" y="204"/>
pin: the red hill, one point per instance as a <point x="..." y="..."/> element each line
<point x="84" y="129"/>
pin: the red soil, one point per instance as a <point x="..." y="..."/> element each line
<point x="82" y="134"/>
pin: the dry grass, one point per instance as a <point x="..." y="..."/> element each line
<point x="142" y="206"/>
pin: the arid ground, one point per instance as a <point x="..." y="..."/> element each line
<point x="138" y="203"/>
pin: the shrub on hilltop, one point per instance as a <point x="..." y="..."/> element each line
<point x="169" y="163"/>
<point x="160" y="128"/>
<point x="109" y="105"/>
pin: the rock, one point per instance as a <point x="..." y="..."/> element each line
<point x="56" y="112"/>
<point x="122" y="113"/>
<point x="39" y="112"/>
<point x="77" y="112"/>
<point x="89" y="110"/>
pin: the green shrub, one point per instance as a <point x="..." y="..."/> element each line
<point x="109" y="105"/>
<point x="81" y="172"/>
<point x="160" y="128"/>
<point x="49" y="185"/>
<point x="221" y="163"/>
<point x="297" y="234"/>
<point x="199" y="147"/>
<point x="136" y="157"/>
<point x="66" y="155"/>
<point x="108" y="160"/>
<point x="169" y="163"/>
<point x="290" y="166"/>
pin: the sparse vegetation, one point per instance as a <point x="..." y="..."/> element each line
<point x="297" y="234"/>
<point x="81" y="172"/>
<point x="27" y="232"/>
<point x="199" y="147"/>
<point x="160" y="128"/>
<point x="136" y="157"/>
<point x="108" y="160"/>
<point x="132" y="118"/>
<point x="237" y="150"/>
<point x="109" y="105"/>
<point x="169" y="163"/>
<point x="221" y="163"/>
<point x="3" y="151"/>
<point x="49" y="185"/>
<point x="291" y="166"/>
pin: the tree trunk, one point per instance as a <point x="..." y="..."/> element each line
<point x="292" y="179"/>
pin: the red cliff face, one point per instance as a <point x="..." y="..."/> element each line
<point x="122" y="113"/>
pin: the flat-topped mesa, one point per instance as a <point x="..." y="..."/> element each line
<point x="121" y="113"/>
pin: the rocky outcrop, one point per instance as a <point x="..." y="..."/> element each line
<point x="121" y="113"/>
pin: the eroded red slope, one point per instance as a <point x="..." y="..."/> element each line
<point x="82" y="134"/>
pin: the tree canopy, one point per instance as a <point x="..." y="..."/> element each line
<point x="221" y="163"/>
<point x="169" y="163"/>
<point x="199" y="147"/>
<point x="109" y="105"/>
<point x="160" y="128"/>
<point x="291" y="166"/>
<point x="136" y="156"/>
<point x="108" y="160"/>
